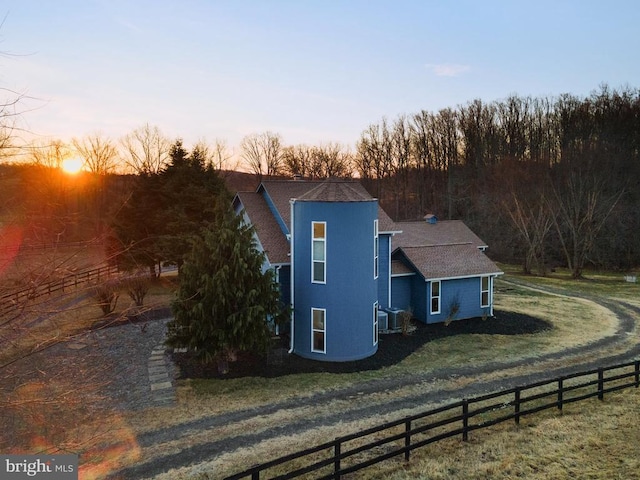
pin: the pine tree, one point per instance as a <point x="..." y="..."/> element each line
<point x="225" y="298"/>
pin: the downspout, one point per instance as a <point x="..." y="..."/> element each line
<point x="291" y="247"/>
<point x="277" y="271"/>
<point x="389" y="272"/>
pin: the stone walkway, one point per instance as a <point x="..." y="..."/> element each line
<point x="162" y="389"/>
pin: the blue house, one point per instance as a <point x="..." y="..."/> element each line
<point x="347" y="269"/>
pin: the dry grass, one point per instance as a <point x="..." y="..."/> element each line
<point x="589" y="439"/>
<point x="49" y="320"/>
<point x="45" y="265"/>
<point x="576" y="322"/>
<point x="606" y="284"/>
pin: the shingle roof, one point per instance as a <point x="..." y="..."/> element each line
<point x="449" y="261"/>
<point x="417" y="234"/>
<point x="273" y="240"/>
<point x="442" y="250"/>
<point x="336" y="191"/>
<point x="281" y="191"/>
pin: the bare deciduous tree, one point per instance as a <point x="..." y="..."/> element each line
<point x="217" y="155"/>
<point x="99" y="154"/>
<point x="263" y="153"/>
<point x="330" y="160"/>
<point x="532" y="218"/>
<point x="146" y="150"/>
<point x="583" y="205"/>
<point x="296" y="160"/>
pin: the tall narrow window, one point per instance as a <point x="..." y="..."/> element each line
<point x="375" y="323"/>
<point x="376" y="249"/>
<point x="485" y="291"/>
<point x="318" y="330"/>
<point x="435" y="296"/>
<point x="319" y="252"/>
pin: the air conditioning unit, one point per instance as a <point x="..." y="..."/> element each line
<point x="383" y="320"/>
<point x="394" y="317"/>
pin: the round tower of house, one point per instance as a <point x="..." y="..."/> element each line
<point x="335" y="272"/>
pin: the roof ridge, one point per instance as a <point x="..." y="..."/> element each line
<point x="439" y="245"/>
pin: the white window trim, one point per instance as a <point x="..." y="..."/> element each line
<point x="432" y="296"/>
<point x="324" y="246"/>
<point x="324" y="331"/>
<point x="376" y="250"/>
<point x="375" y="323"/>
<point x="488" y="291"/>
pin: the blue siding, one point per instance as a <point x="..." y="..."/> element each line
<point x="420" y="297"/>
<point x="350" y="290"/>
<point x="384" y="270"/>
<point x="465" y="292"/>
<point x="401" y="292"/>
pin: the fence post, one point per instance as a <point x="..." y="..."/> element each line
<point x="600" y="384"/>
<point x="407" y="439"/>
<point x="465" y="420"/>
<point x="560" y="392"/>
<point x="516" y="402"/>
<point x="637" y="372"/>
<point x="255" y="475"/>
<point x="336" y="460"/>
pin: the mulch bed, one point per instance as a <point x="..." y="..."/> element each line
<point x="392" y="348"/>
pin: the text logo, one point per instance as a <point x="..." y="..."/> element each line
<point x="49" y="467"/>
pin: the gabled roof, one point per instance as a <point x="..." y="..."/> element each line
<point x="436" y="262"/>
<point x="446" y="249"/>
<point x="273" y="240"/>
<point x="418" y="234"/>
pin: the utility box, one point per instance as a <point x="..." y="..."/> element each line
<point x="394" y="317"/>
<point x="383" y="321"/>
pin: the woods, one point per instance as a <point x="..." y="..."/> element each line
<point x="545" y="181"/>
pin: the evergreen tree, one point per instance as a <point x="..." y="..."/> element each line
<point x="164" y="210"/>
<point x="225" y="298"/>
<point x="138" y="224"/>
<point x="193" y="189"/>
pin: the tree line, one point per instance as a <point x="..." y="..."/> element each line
<point x="544" y="181"/>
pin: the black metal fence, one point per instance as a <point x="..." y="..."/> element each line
<point x="351" y="453"/>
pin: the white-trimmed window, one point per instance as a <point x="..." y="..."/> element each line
<point x="318" y="330"/>
<point x="318" y="252"/>
<point x="435" y="297"/>
<point x="485" y="291"/>
<point x="376" y="249"/>
<point x="375" y="323"/>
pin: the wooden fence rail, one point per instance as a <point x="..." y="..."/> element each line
<point x="13" y="300"/>
<point x="343" y="455"/>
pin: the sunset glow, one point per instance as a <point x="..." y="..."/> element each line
<point x="72" y="165"/>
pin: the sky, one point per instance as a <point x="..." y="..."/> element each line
<point x="312" y="71"/>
